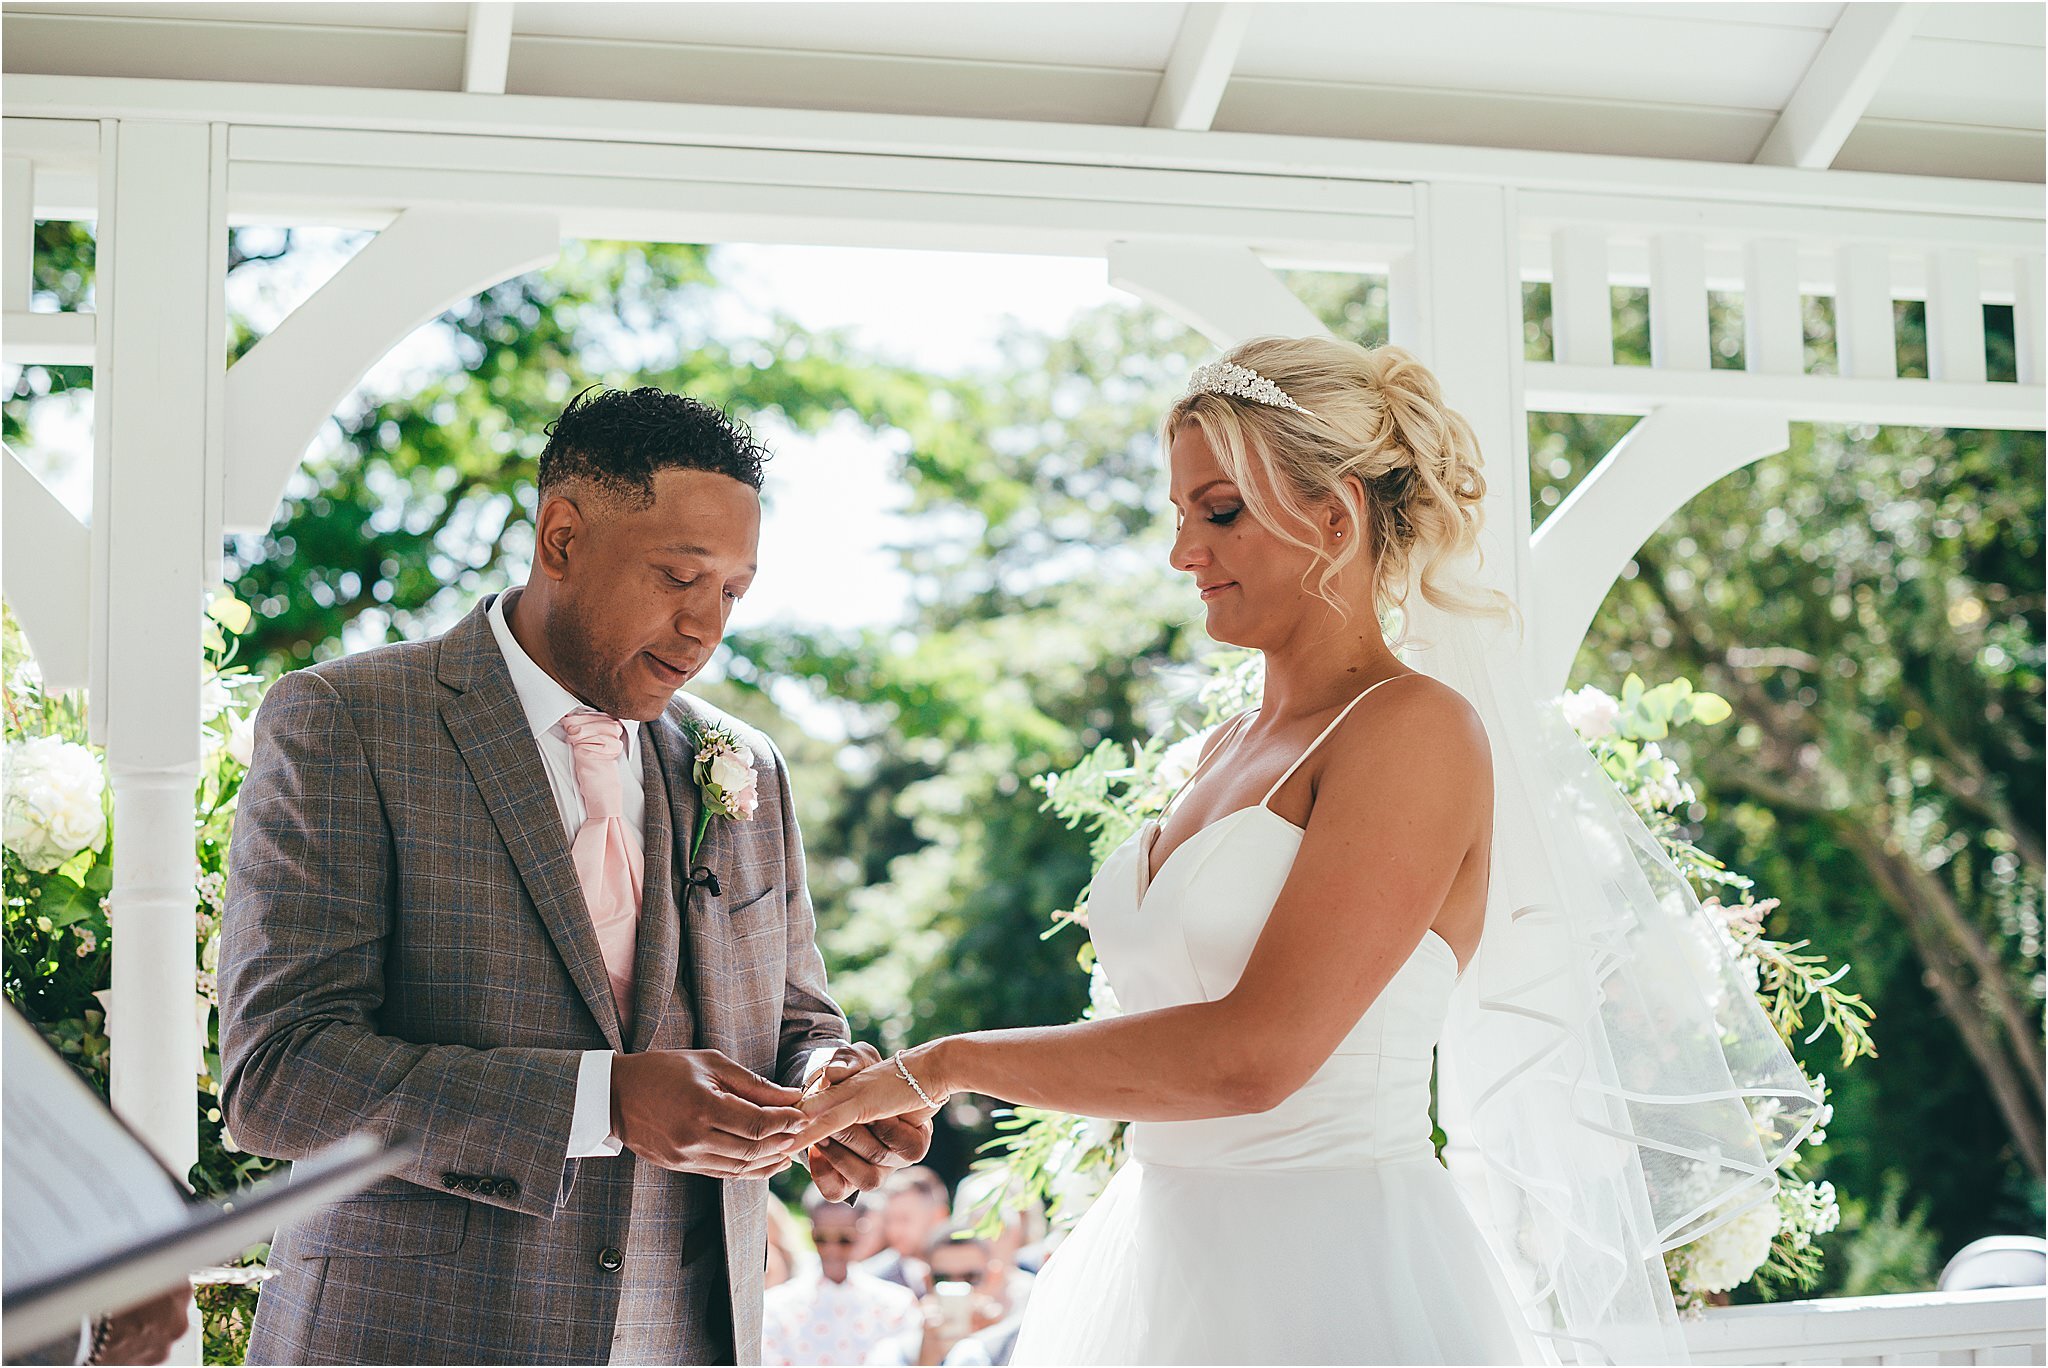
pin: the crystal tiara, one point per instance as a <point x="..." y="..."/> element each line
<point x="1240" y="382"/>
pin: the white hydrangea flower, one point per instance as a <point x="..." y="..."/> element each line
<point x="1729" y="1256"/>
<point x="53" y="807"/>
<point x="1591" y="711"/>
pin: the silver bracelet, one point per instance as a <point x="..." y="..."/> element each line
<point x="915" y="1086"/>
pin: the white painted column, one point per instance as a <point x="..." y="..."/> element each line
<point x="1456" y="302"/>
<point x="160" y="364"/>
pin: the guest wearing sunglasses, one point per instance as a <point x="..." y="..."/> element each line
<point x="836" y="1313"/>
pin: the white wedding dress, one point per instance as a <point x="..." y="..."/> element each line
<point x="1322" y="1231"/>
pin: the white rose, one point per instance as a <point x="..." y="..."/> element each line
<point x="53" y="805"/>
<point x="1177" y="764"/>
<point x="733" y="773"/>
<point x="1592" y="712"/>
<point x="1730" y="1255"/>
<point x="241" y="742"/>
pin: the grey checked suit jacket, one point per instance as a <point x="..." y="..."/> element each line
<point x="405" y="949"/>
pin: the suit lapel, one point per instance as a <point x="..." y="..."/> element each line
<point x="659" y="940"/>
<point x="490" y="729"/>
<point x="704" y="918"/>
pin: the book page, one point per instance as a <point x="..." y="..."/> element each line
<point x="75" y="1184"/>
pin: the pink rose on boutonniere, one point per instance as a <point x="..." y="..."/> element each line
<point x="727" y="784"/>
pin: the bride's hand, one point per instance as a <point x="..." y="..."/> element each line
<point x="876" y="1093"/>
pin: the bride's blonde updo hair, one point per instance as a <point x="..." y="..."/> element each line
<point x="1374" y="413"/>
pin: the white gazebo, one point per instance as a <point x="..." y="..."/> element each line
<point x="1869" y="152"/>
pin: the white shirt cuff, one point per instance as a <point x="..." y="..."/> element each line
<point x="590" y="1125"/>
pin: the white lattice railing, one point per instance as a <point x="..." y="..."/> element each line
<point x="2001" y="1325"/>
<point x="1771" y="255"/>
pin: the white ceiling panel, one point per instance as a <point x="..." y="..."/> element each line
<point x="1055" y="33"/>
<point x="1532" y="49"/>
<point x="1941" y="80"/>
<point x="2009" y="21"/>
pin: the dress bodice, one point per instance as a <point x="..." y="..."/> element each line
<point x="1187" y="938"/>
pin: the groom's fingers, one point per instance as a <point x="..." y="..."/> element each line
<point x="904" y="1140"/>
<point x="741" y="1081"/>
<point x="858" y="1170"/>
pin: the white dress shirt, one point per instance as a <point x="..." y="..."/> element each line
<point x="546" y="703"/>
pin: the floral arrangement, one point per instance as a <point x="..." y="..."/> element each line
<point x="57" y="874"/>
<point x="1065" y="1161"/>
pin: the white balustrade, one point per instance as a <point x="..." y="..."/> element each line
<point x="2000" y="1325"/>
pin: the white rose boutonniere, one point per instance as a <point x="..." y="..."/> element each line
<point x="727" y="785"/>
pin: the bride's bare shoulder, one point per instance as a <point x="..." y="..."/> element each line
<point x="1424" y="721"/>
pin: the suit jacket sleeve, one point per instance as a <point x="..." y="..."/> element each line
<point x="310" y="906"/>
<point x="810" y="1019"/>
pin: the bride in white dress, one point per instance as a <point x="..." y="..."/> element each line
<point x="1288" y="939"/>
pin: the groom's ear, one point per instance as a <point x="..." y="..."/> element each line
<point x="556" y="530"/>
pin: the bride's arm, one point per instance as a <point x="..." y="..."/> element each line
<point x="1404" y="798"/>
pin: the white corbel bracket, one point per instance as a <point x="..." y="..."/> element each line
<point x="278" y="395"/>
<point x="47" y="570"/>
<point x="1225" y="293"/>
<point x="1670" y="456"/>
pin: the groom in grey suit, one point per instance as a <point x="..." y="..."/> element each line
<point x="468" y="903"/>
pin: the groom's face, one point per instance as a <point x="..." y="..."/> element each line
<point x="644" y="593"/>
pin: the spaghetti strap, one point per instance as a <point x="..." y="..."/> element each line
<point x="1196" y="772"/>
<point x="1335" y="722"/>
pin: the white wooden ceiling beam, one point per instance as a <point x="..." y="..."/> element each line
<point x="1225" y="293"/>
<point x="1867" y="38"/>
<point x="487" y="51"/>
<point x="46" y="560"/>
<point x="1198" y="68"/>
<point x="1673" y="454"/>
<point x="903" y="135"/>
<point x="290" y="383"/>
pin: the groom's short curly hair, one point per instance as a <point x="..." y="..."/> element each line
<point x="618" y="439"/>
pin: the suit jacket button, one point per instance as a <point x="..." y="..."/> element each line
<point x="472" y="1185"/>
<point x="451" y="1181"/>
<point x="610" y="1260"/>
<point x="507" y="1188"/>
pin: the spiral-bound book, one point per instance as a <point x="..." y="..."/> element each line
<point x="92" y="1222"/>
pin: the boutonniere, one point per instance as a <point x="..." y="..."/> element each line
<point x="727" y="787"/>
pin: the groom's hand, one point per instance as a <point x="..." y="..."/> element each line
<point x="858" y="1158"/>
<point x="697" y="1111"/>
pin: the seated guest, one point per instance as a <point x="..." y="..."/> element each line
<point x="916" y="1209"/>
<point x="835" y="1313"/>
<point x="957" y="1307"/>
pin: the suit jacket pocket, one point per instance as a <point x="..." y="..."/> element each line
<point x="385" y="1226"/>
<point x="754" y="914"/>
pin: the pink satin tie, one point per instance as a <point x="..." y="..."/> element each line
<point x="608" y="861"/>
